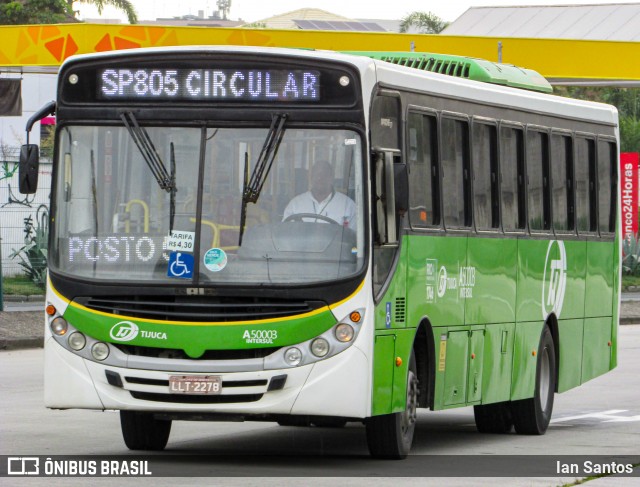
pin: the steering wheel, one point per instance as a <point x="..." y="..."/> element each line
<point x="299" y="216"/>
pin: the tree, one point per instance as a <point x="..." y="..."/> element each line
<point x="425" y="22"/>
<point x="626" y="100"/>
<point x="21" y="12"/>
<point x="125" y="5"/>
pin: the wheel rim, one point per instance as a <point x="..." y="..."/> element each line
<point x="410" y="413"/>
<point x="545" y="379"/>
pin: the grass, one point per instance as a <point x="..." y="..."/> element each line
<point x="630" y="281"/>
<point x="20" y="285"/>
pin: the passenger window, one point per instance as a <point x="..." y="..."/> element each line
<point x="561" y="183"/>
<point x="512" y="178"/>
<point x="485" y="177"/>
<point x="538" y="180"/>
<point x="424" y="196"/>
<point x="585" y="185"/>
<point x="607" y="182"/>
<point x="455" y="173"/>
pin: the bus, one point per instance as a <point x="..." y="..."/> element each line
<point x="464" y="251"/>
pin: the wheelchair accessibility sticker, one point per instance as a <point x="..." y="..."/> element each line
<point x="180" y="265"/>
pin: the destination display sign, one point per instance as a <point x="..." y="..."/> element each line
<point x="235" y="85"/>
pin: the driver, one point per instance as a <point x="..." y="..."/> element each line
<point x="322" y="199"/>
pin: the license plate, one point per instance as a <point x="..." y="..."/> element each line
<point x="195" y="384"/>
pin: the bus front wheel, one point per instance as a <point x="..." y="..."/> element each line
<point x="390" y="435"/>
<point x="141" y="431"/>
<point x="532" y="416"/>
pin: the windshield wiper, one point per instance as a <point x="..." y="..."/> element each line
<point x="251" y="190"/>
<point x="144" y="144"/>
<point x="172" y="198"/>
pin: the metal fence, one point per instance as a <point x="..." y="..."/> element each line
<point x="16" y="207"/>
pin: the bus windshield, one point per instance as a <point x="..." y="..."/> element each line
<point x="116" y="220"/>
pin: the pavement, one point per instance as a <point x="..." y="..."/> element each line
<point x="22" y="324"/>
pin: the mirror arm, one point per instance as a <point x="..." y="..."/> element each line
<point x="45" y="111"/>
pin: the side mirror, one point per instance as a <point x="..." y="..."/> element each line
<point x="385" y="196"/>
<point x="28" y="168"/>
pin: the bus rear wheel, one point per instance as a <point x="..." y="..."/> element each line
<point x="391" y="435"/>
<point x="532" y="416"/>
<point x="142" y="431"/>
<point x="493" y="418"/>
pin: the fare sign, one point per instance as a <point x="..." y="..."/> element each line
<point x="245" y="85"/>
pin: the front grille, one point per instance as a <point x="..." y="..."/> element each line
<point x="198" y="308"/>
<point x="196" y="399"/>
<point x="225" y="384"/>
<point x="170" y="353"/>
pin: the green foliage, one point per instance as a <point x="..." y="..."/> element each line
<point x="629" y="134"/>
<point x="33" y="254"/>
<point x="124" y="5"/>
<point x="631" y="256"/>
<point x="21" y="12"/>
<point x="626" y="100"/>
<point x="20" y="285"/>
<point x="425" y="22"/>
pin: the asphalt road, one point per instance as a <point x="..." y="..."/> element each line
<point x="601" y="417"/>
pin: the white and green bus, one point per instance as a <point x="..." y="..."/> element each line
<point x="464" y="250"/>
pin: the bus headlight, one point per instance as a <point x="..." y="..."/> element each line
<point x="320" y="347"/>
<point x="59" y="326"/>
<point x="77" y="341"/>
<point x="293" y="356"/>
<point x="344" y="333"/>
<point x="100" y="351"/>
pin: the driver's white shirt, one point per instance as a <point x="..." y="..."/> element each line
<point x="337" y="206"/>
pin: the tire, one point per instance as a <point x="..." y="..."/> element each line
<point x="493" y="418"/>
<point x="141" y="431"/>
<point x="390" y="435"/>
<point x="532" y="416"/>
<point x="294" y="421"/>
<point x="329" y="423"/>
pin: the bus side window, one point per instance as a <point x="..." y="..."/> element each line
<point x="538" y="180"/>
<point x="562" y="183"/>
<point x="485" y="177"/>
<point x="424" y="194"/>
<point x="585" y="171"/>
<point x="455" y="173"/>
<point x="512" y="178"/>
<point x="607" y="182"/>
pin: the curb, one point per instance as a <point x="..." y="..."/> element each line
<point x="22" y="298"/>
<point x="21" y="343"/>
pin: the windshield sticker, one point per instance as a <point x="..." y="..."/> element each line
<point x="215" y="260"/>
<point x="181" y="241"/>
<point x="180" y="265"/>
<point x="350" y="141"/>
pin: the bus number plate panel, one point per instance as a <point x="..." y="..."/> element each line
<point x="195" y="384"/>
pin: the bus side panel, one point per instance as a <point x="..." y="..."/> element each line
<point x="490" y="287"/>
<point x="525" y="359"/>
<point x="498" y="362"/>
<point x="570" y="363"/>
<point x="383" y="371"/>
<point x="597" y="347"/>
<point x="403" y="347"/>
<point x="599" y="292"/>
<point x="531" y="264"/>
<point x="573" y="303"/>
<point x="432" y="279"/>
